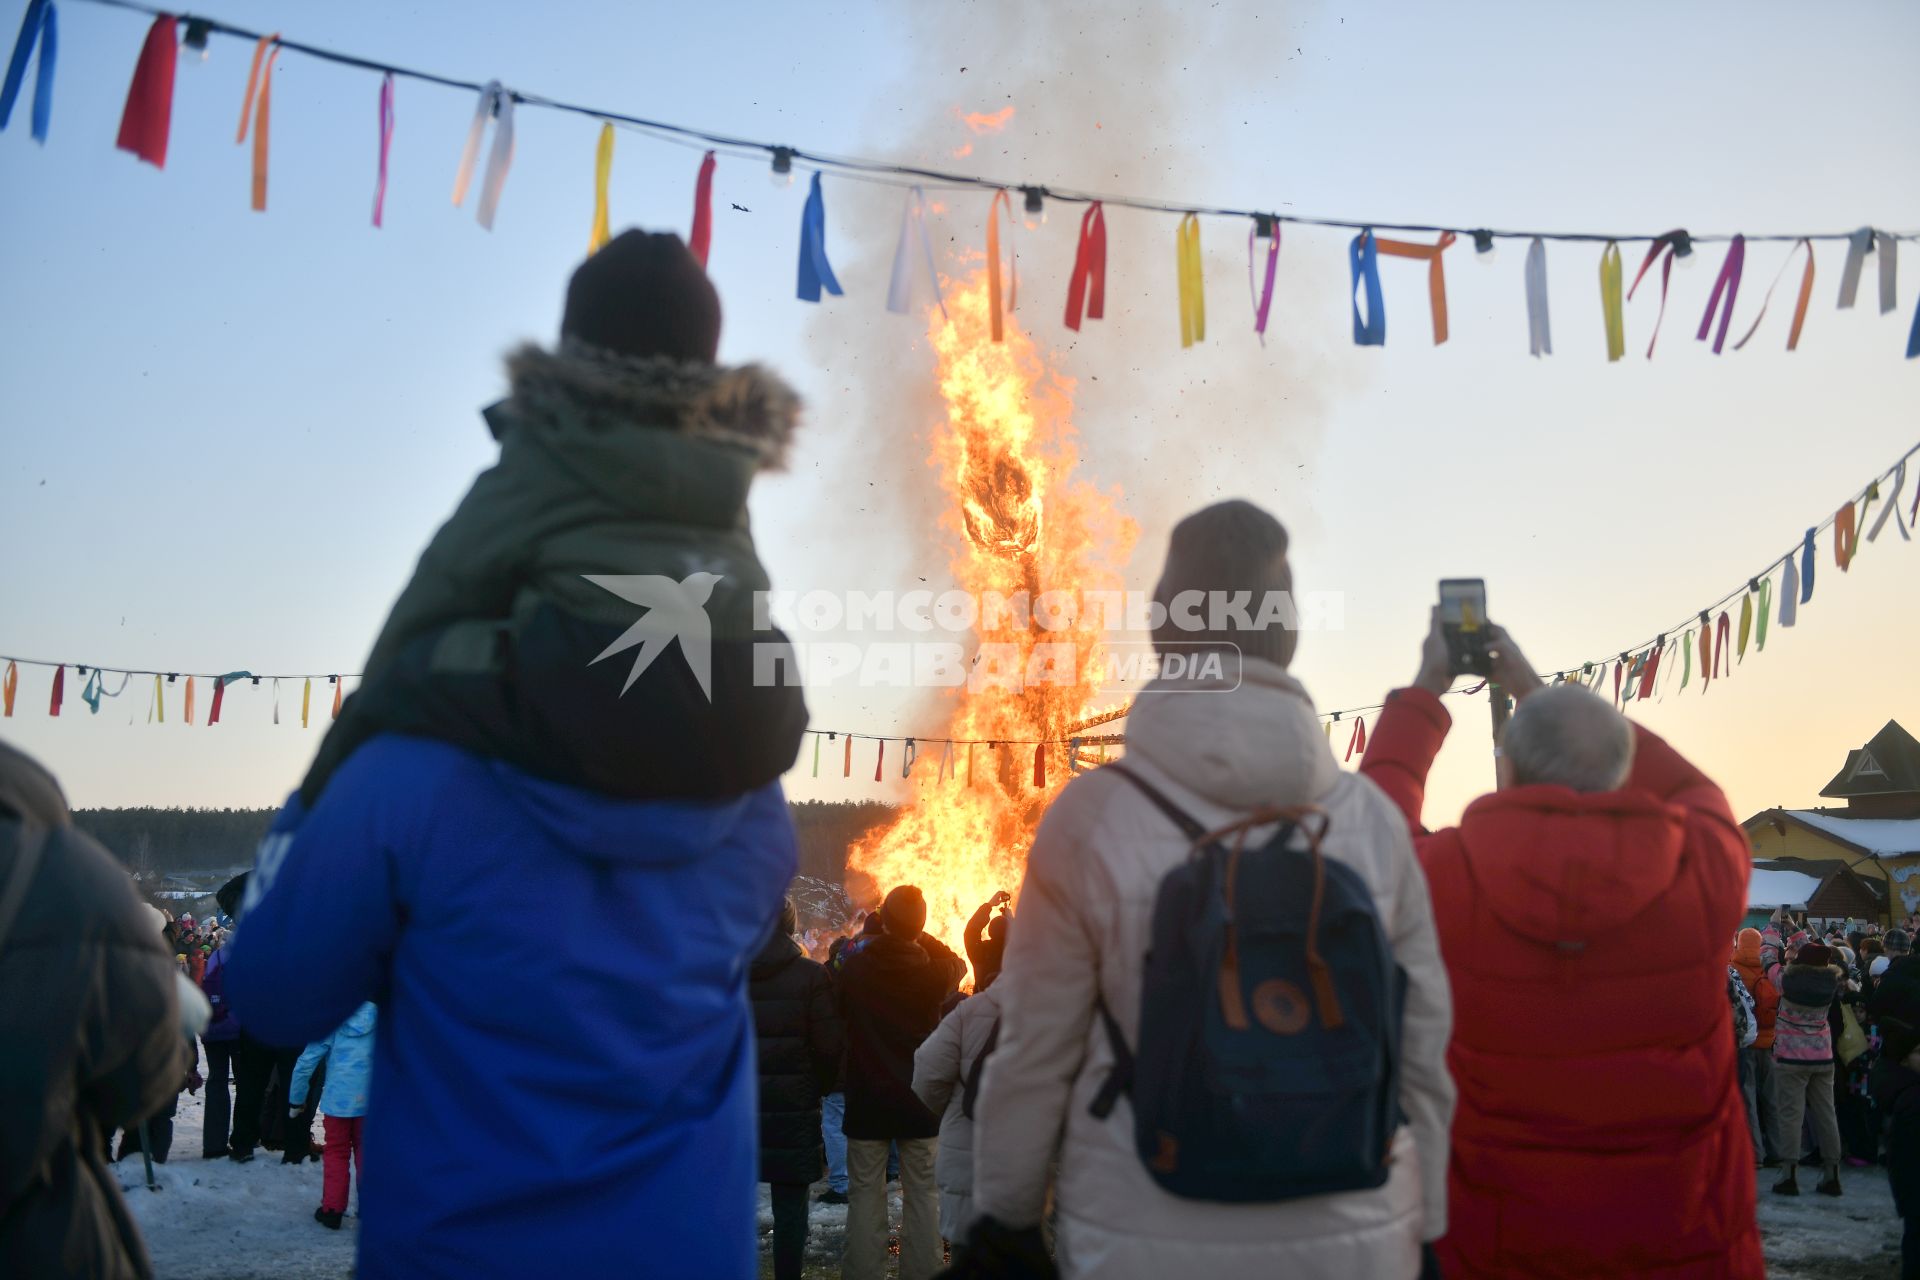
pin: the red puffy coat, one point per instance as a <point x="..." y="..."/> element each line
<point x="1600" y="1130"/>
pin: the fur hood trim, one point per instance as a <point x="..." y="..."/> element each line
<point x="746" y="407"/>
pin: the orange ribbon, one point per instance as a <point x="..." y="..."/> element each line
<point x="1436" y="276"/>
<point x="846" y="766"/>
<point x="1800" y="307"/>
<point x="879" y="759"/>
<point x="336" y="697"/>
<point x="189" y="699"/>
<point x="1846" y="537"/>
<point x="1000" y="198"/>
<point x="259" y="78"/>
<point x="9" y="686"/>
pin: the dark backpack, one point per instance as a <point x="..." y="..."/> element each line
<point x="1270" y="1005"/>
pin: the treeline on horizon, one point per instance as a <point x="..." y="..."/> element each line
<point x="160" y="841"/>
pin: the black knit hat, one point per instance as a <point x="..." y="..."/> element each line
<point x="644" y="294"/>
<point x="903" y="913"/>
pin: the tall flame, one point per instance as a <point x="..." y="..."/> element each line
<point x="1019" y="522"/>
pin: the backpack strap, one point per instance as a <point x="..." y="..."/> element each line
<point x="1189" y="825"/>
<point x="1120" y="1079"/>
<point x="970" y="1090"/>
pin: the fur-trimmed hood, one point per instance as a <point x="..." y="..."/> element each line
<point x="747" y="407"/>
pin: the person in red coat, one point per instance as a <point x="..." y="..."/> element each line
<point x="1583" y="910"/>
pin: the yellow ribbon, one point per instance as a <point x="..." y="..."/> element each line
<point x="1746" y="625"/>
<point x="602" y="170"/>
<point x="260" y="78"/>
<point x="306" y="700"/>
<point x="1193" y="300"/>
<point x="158" y="711"/>
<point x="1610" y="302"/>
<point x="993" y="264"/>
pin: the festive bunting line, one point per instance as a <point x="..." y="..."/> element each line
<point x="917" y="175"/>
<point x="1635" y="673"/>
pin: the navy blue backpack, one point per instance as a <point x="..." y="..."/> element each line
<point x="1270" y="1006"/>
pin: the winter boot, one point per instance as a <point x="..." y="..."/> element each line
<point x="328" y="1218"/>
<point x="1788" y="1186"/>
<point x="1830" y="1185"/>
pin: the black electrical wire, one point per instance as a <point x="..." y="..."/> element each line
<point x="903" y="175"/>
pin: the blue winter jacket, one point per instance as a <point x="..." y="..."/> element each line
<point x="348" y="1053"/>
<point x="564" y="1073"/>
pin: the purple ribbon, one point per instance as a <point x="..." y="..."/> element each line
<point x="1729" y="284"/>
<point x="1262" y="294"/>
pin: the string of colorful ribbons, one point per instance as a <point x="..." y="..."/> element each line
<point x="1636" y="673"/>
<point x="146" y="120"/>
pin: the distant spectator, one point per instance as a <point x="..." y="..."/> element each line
<point x="348" y="1055"/>
<point x="91" y="1024"/>
<point x="798" y="1044"/>
<point x="986" y="940"/>
<point x="890" y="991"/>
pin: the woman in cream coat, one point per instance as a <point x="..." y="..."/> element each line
<point x="1217" y="747"/>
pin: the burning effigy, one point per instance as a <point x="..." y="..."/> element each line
<point x="1020" y="524"/>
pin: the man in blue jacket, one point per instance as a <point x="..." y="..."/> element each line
<point x="578" y="1096"/>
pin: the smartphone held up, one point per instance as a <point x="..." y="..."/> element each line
<point x="1463" y="621"/>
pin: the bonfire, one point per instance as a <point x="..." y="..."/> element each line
<point x="1020" y="524"/>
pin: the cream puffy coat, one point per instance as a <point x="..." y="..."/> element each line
<point x="1085" y="913"/>
<point x="940" y="1069"/>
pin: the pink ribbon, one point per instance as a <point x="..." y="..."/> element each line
<point x="386" y="141"/>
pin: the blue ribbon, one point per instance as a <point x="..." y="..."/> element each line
<point x="1806" y="568"/>
<point x="1372" y="332"/>
<point x="38" y="27"/>
<point x="815" y="270"/>
<point x="1913" y="337"/>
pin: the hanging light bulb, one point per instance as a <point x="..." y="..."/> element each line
<point x="781" y="176"/>
<point x="1034" y="215"/>
<point x="196" y="37"/>
<point x="1483" y="247"/>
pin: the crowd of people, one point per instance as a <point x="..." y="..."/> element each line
<point x="1254" y="1016"/>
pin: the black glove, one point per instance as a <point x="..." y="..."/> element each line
<point x="994" y="1251"/>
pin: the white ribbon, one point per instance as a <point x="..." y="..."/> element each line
<point x="1789" y="593"/>
<point x="1893" y="507"/>
<point x="1539" y="332"/>
<point x="276" y="699"/>
<point x="913" y="226"/>
<point x="946" y="763"/>
<point x="495" y="103"/>
<point x="1862" y="242"/>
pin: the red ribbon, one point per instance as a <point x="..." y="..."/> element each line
<point x="1706" y="652"/>
<point x="1666" y="242"/>
<point x="1728" y="282"/>
<point x="1040" y="765"/>
<point x="1721" y="639"/>
<point x="1089" y="269"/>
<point x="219" y="696"/>
<point x="1358" y="742"/>
<point x="1648" y="675"/>
<point x="702" y="238"/>
<point x="59" y="690"/>
<point x="148" y="115"/>
<point x="1845" y="537"/>
<point x="879" y="759"/>
<point x="1619" y="670"/>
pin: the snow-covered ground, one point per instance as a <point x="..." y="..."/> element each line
<point x="218" y="1220"/>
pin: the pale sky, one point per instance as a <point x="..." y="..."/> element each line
<point x="229" y="434"/>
